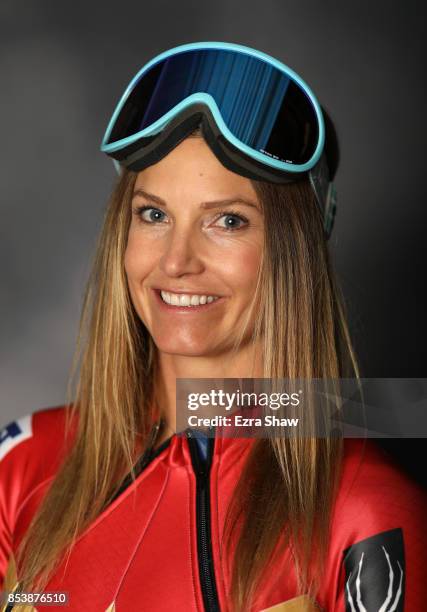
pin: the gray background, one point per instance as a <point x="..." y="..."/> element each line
<point x="63" y="67"/>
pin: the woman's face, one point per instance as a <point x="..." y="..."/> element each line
<point x="196" y="234"/>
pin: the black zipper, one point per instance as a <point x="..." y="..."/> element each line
<point x="203" y="522"/>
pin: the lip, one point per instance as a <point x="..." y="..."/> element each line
<point x="179" y="292"/>
<point x="185" y="309"/>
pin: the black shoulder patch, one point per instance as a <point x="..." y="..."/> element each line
<point x="375" y="573"/>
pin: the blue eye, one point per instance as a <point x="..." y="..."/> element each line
<point x="154" y="215"/>
<point x="150" y="215"/>
<point x="233" y="221"/>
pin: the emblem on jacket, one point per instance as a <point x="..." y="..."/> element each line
<point x="375" y="573"/>
<point x="14" y="433"/>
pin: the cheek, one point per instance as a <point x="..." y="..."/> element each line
<point x="137" y="260"/>
<point x="241" y="271"/>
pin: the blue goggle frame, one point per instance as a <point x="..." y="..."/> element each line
<point x="140" y="148"/>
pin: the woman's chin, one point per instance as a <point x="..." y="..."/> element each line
<point x="185" y="349"/>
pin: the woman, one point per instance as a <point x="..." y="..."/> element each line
<point x="212" y="263"/>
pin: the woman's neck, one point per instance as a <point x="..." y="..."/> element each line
<point x="244" y="364"/>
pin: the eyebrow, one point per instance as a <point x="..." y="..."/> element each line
<point x="204" y="205"/>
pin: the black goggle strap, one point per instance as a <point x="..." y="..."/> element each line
<point x="325" y="192"/>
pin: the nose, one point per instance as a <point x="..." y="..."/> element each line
<point x="181" y="252"/>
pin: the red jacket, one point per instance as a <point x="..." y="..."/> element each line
<point x="156" y="547"/>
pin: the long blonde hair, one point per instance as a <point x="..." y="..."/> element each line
<point x="288" y="482"/>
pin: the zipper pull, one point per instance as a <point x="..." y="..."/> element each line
<point x="200" y="455"/>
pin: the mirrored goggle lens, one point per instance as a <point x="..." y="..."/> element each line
<point x="261" y="106"/>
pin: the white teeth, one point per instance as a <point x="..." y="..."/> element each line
<point x="176" y="299"/>
<point x="184" y="300"/>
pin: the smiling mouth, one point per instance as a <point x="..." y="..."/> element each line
<point x="186" y="301"/>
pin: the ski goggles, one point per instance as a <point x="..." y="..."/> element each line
<point x="258" y="116"/>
